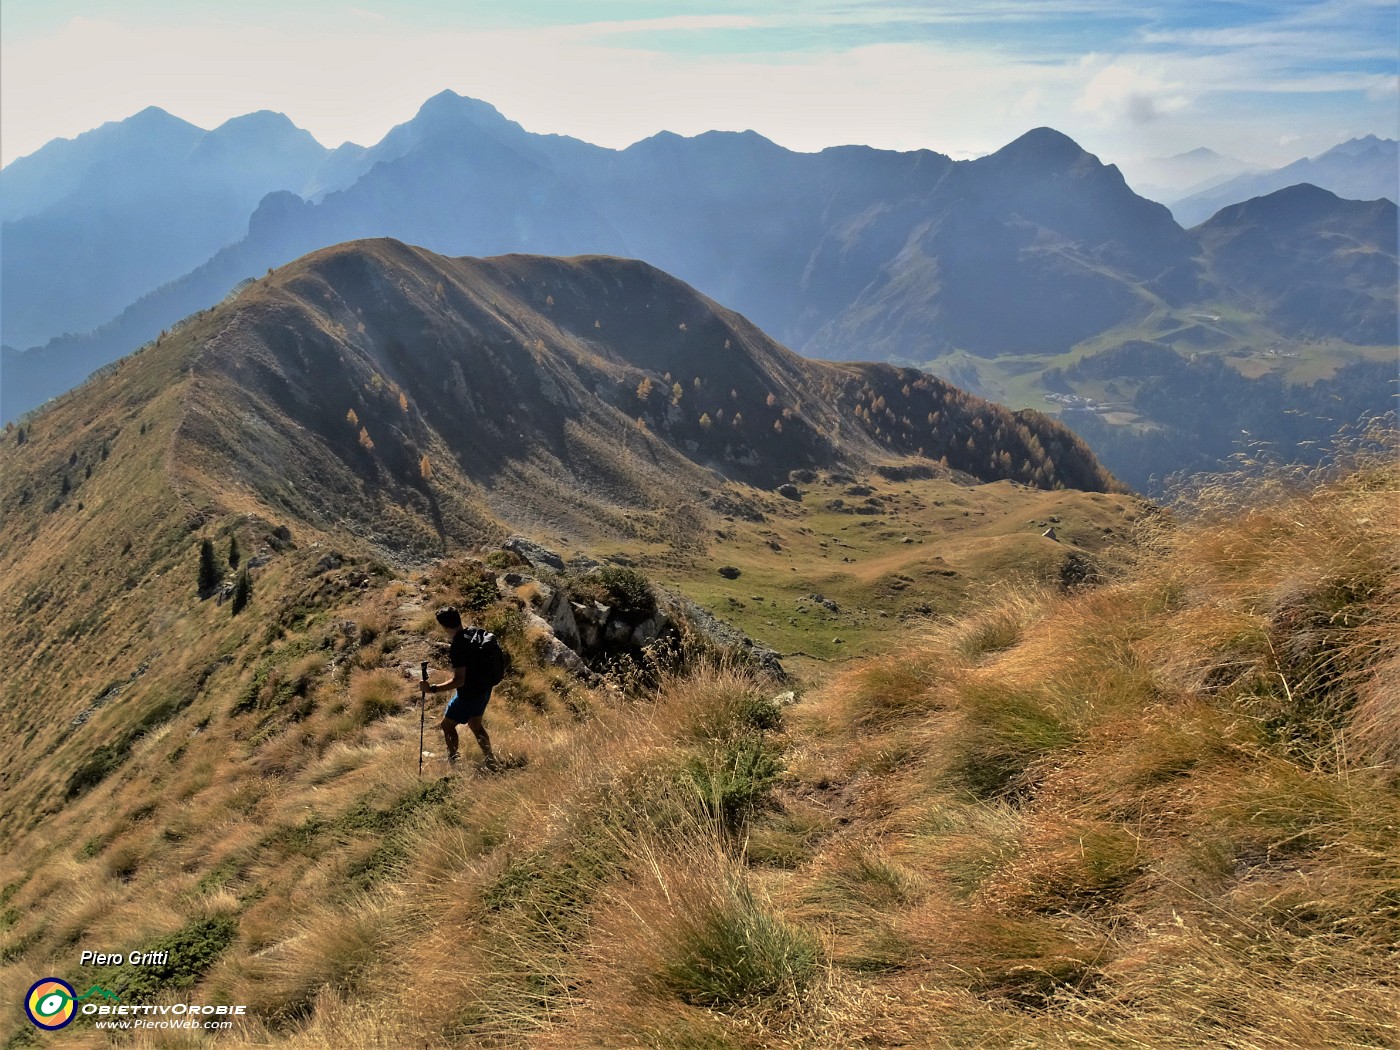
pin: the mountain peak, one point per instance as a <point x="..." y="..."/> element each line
<point x="261" y="130"/>
<point x="1354" y="147"/>
<point x="259" y="119"/>
<point x="614" y="325"/>
<point x="731" y="141"/>
<point x="1042" y="146"/>
<point x="151" y="123"/>
<point x="448" y="105"/>
<point x="152" y="115"/>
<point x="1199" y="153"/>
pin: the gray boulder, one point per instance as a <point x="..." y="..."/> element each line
<point x="650" y="629"/>
<point x="538" y="556"/>
<point x="617" y="632"/>
<point x="560" y="615"/>
<point x="553" y="651"/>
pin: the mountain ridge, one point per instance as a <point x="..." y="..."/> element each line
<point x="581" y="337"/>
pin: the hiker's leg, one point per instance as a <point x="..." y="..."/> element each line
<point x="449" y="734"/>
<point x="482" y="739"/>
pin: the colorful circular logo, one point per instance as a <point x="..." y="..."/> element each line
<point x="50" y="1004"/>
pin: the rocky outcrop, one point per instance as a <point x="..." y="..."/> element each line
<point x="573" y="631"/>
<point x="588" y="628"/>
<point x="719" y="635"/>
<point x="539" y="557"/>
<point x="548" y="602"/>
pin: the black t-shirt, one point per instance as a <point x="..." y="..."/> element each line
<point x="466" y="652"/>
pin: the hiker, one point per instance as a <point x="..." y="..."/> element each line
<point x="473" y="676"/>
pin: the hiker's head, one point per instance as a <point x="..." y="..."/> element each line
<point x="449" y="618"/>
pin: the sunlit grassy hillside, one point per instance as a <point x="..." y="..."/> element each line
<point x="1158" y="812"/>
<point x="353" y="406"/>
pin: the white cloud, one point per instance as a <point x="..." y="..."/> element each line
<point x="1124" y="91"/>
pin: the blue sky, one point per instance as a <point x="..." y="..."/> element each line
<point x="1264" y="81"/>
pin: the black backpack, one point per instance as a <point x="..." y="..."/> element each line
<point x="491" y="661"/>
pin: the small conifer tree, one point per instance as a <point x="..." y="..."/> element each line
<point x="235" y="555"/>
<point x="208" y="568"/>
<point x="242" y="591"/>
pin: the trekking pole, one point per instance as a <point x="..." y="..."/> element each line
<point x="422" y="716"/>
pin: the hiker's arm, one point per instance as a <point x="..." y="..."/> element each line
<point x="458" y="679"/>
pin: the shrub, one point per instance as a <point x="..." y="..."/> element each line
<point x="477" y="587"/>
<point x="626" y="591"/>
<point x="191" y="950"/>
<point x="503" y="559"/>
<point x="505" y="622"/>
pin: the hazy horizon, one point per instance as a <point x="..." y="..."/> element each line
<point x="1262" y="85"/>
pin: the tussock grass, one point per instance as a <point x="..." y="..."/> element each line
<point x="690" y="927"/>
<point x="338" y="951"/>
<point x="375" y="695"/>
<point x="998" y="624"/>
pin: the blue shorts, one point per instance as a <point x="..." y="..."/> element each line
<point x="460" y="707"/>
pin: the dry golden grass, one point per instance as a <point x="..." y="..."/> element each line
<point x="1158" y="813"/>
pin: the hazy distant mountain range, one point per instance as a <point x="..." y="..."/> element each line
<point x="92" y="223"/>
<point x="1032" y="254"/>
<point x="1166" y="179"/>
<point x="1360" y="169"/>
